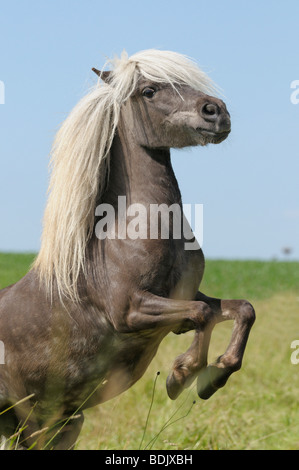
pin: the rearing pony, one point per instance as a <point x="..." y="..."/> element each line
<point x="85" y="322"/>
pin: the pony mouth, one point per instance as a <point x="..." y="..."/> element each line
<point x="213" y="137"/>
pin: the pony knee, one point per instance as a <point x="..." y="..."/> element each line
<point x="247" y="313"/>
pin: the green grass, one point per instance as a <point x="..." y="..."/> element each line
<point x="13" y="266"/>
<point x="249" y="279"/>
<point x="259" y="406"/>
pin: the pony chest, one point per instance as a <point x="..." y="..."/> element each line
<point x="189" y="278"/>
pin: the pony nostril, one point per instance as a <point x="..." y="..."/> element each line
<point x="209" y="111"/>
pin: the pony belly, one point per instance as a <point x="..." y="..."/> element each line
<point x="133" y="354"/>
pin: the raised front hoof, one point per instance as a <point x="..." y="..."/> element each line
<point x="210" y="380"/>
<point x="173" y="386"/>
<point x="177" y="381"/>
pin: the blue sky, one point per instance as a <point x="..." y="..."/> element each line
<point x="248" y="185"/>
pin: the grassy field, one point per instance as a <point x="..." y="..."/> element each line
<point x="259" y="406"/>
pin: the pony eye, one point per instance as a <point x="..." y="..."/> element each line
<point x="148" y="92"/>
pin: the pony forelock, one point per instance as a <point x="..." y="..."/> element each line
<point x="80" y="160"/>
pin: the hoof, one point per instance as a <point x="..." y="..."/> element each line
<point x="210" y="380"/>
<point x="174" y="388"/>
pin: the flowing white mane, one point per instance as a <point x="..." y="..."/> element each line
<point x="80" y="160"/>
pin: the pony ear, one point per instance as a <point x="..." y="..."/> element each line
<point x="105" y="76"/>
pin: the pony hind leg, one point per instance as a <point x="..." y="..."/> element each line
<point x="22" y="430"/>
<point x="64" y="434"/>
<point x="8" y="423"/>
<point x="16" y="431"/>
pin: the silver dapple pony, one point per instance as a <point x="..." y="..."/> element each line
<point x="85" y="322"/>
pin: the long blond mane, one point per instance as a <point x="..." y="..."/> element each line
<point x="80" y="160"/>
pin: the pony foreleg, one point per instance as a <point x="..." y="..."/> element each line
<point x="216" y="375"/>
<point x="202" y="314"/>
<point x="187" y="366"/>
<point x="151" y="311"/>
<point x="193" y="363"/>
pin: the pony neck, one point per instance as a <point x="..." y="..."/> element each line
<point x="143" y="175"/>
